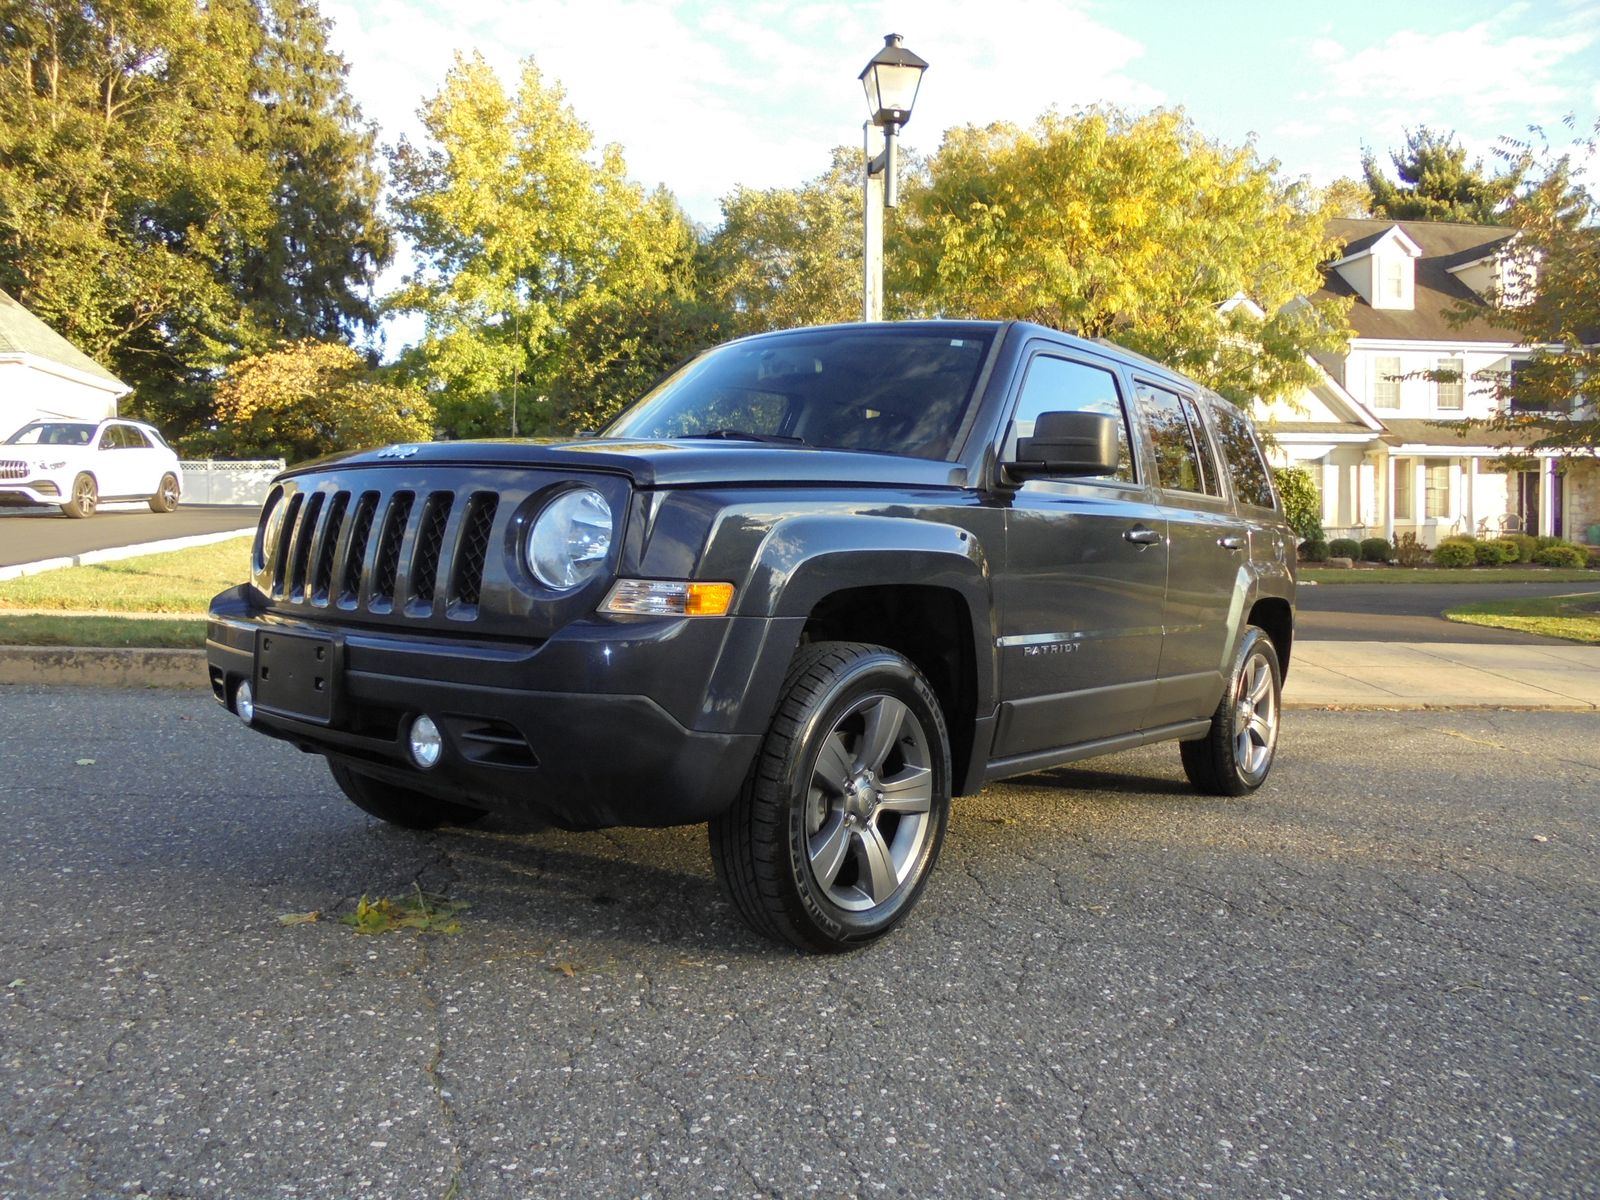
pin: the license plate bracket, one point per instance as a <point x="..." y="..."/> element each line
<point x="297" y="675"/>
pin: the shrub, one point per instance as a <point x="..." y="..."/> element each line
<point x="1526" y="545"/>
<point x="1495" y="554"/>
<point x="1455" y="552"/>
<point x="1376" y="550"/>
<point x="1510" y="549"/>
<point x="1594" y="556"/>
<point x="1546" y="541"/>
<point x="1314" y="550"/>
<point x="1345" y="548"/>
<point x="1302" y="503"/>
<point x="1562" y="556"/>
<point x="1408" y="551"/>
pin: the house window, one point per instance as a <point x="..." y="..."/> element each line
<point x="1386" y="381"/>
<point x="1436" y="481"/>
<point x="1451" y="392"/>
<point x="1403" y="469"/>
<point x="1394" y="279"/>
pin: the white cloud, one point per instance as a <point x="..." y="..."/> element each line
<point x="704" y="96"/>
<point x="1473" y="73"/>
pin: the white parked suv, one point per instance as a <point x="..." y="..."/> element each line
<point x="76" y="465"/>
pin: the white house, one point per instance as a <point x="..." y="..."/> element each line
<point x="42" y="375"/>
<point x="1375" y="432"/>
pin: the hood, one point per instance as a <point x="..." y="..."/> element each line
<point x="687" y="463"/>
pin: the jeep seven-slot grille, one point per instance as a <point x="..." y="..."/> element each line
<point x="361" y="550"/>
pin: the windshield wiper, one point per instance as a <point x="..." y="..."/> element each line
<point x="743" y="435"/>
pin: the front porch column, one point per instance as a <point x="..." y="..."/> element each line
<point x="1419" y="501"/>
<point x="1388" y="498"/>
<point x="1470" y="507"/>
<point x="1547" y="518"/>
<point x="1330" y="492"/>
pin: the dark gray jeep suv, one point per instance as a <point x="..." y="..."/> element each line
<point x="810" y="587"/>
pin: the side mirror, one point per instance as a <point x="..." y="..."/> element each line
<point x="1069" y="443"/>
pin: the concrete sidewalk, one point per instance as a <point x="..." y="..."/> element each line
<point x="1344" y="675"/>
<point x="1387" y="675"/>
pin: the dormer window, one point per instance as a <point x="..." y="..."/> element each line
<point x="1394" y="281"/>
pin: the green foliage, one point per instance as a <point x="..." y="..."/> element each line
<point x="1436" y="184"/>
<point x="420" y="911"/>
<point x="1549" y="293"/>
<point x="1562" y="556"/>
<point x="1545" y="541"/>
<point x="1510" y="550"/>
<point x="174" y="187"/>
<point x="1525" y="543"/>
<point x="1495" y="553"/>
<point x="312" y="398"/>
<point x="1455" y="552"/>
<point x="1409" y="550"/>
<point x="1345" y="548"/>
<point x="1302" y="502"/>
<point x="791" y="256"/>
<point x="1314" y="550"/>
<point x="1593" y="553"/>
<point x="1136" y="228"/>
<point x="522" y="235"/>
<point x="1376" y="550"/>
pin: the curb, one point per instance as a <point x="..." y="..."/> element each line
<point x="116" y="553"/>
<point x="83" y="666"/>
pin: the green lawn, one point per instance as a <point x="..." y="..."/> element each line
<point x="179" y="581"/>
<point x="1407" y="575"/>
<point x="1575" y="617"/>
<point x="168" y="633"/>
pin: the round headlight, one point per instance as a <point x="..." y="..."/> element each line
<point x="570" y="539"/>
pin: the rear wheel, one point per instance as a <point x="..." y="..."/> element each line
<point x="166" y="498"/>
<point x="1237" y="752"/>
<point x="399" y="805"/>
<point x="85" y="497"/>
<point x="836" y="831"/>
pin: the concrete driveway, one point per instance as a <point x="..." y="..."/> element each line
<point x="1377" y="977"/>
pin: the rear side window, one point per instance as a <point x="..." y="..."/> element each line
<point x="1177" y="453"/>
<point x="1061" y="385"/>
<point x="1251" y="483"/>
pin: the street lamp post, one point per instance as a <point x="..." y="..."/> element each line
<point x="891" y="80"/>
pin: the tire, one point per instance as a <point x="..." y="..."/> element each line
<point x="839" y="824"/>
<point x="398" y="805"/>
<point x="166" y="498"/>
<point x="85" y="497"/>
<point x="1235" y="755"/>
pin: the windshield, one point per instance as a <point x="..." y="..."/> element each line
<point x="897" y="391"/>
<point x="53" y="433"/>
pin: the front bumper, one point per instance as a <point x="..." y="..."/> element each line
<point x="610" y="722"/>
<point x="30" y="492"/>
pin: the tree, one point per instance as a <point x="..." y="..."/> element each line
<point x="1346" y="197"/>
<point x="792" y="256"/>
<point x="1135" y="228"/>
<point x="311" y="271"/>
<point x="1549" y="293"/>
<point x="518" y="233"/>
<point x="1436" y="184"/>
<point x="180" y="184"/>
<point x="309" y="398"/>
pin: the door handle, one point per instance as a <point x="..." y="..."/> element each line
<point x="1231" y="543"/>
<point x="1140" y="536"/>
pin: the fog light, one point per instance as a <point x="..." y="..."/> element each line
<point x="426" y="743"/>
<point x="244" y="702"/>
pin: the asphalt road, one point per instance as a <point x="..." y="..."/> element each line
<point x="28" y="535"/>
<point x="1379" y="977"/>
<point x="1377" y="612"/>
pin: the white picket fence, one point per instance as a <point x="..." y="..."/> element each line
<point x="228" y="481"/>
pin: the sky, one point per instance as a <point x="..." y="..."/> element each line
<point x="708" y="95"/>
<point x="705" y="96"/>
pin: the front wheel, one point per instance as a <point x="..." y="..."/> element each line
<point x="85" y="497"/>
<point x="166" y="498"/>
<point x="399" y="805"/>
<point x="836" y="831"/>
<point x="1236" y="753"/>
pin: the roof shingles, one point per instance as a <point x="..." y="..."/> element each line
<point x="23" y="333"/>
